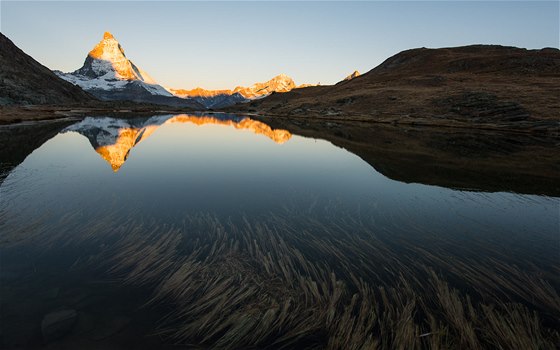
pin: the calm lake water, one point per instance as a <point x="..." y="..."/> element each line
<point x="219" y="231"/>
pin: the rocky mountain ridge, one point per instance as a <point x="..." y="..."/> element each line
<point x="225" y="98"/>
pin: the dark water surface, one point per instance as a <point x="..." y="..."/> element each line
<point x="219" y="231"/>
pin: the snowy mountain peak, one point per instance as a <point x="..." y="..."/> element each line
<point x="282" y="79"/>
<point x="106" y="68"/>
<point x="108" y="57"/>
<point x="280" y="83"/>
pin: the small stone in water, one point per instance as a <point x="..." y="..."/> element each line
<point x="57" y="324"/>
<point x="110" y="328"/>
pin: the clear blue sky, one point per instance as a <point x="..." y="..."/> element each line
<point x="224" y="44"/>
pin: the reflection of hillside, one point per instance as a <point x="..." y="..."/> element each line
<point x="18" y="141"/>
<point x="114" y="138"/>
<point x="452" y="158"/>
<point x="442" y="157"/>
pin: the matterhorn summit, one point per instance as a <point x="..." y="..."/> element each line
<point x="108" y="74"/>
<point x="108" y="59"/>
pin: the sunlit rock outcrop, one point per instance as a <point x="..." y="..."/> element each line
<point x="352" y="76"/>
<point x="113" y="138"/>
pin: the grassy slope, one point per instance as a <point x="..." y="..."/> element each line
<point x="25" y="81"/>
<point x="491" y="87"/>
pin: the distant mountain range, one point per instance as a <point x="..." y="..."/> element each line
<point x="224" y="98"/>
<point x="109" y="75"/>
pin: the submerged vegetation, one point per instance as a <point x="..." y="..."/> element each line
<point x="317" y="278"/>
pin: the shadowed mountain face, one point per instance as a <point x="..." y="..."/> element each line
<point x="134" y="91"/>
<point x="19" y="141"/>
<point x="114" y="138"/>
<point x="492" y="87"/>
<point x="25" y="81"/>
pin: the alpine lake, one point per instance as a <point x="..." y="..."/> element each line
<point x="225" y="231"/>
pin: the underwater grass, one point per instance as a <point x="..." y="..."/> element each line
<point x="310" y="279"/>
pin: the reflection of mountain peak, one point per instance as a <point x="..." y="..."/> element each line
<point x="114" y="138"/>
<point x="117" y="153"/>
